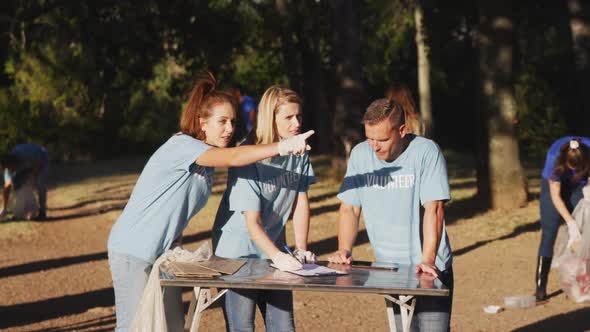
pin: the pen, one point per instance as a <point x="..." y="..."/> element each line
<point x="288" y="250"/>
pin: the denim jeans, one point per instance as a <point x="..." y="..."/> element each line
<point x="432" y="313"/>
<point x="130" y="276"/>
<point x="276" y="307"/>
<point x="42" y="187"/>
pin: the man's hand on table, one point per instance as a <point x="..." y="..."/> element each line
<point x="427" y="268"/>
<point x="341" y="256"/>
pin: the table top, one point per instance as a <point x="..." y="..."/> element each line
<point x="258" y="274"/>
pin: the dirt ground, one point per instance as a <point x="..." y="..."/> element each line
<point x="54" y="275"/>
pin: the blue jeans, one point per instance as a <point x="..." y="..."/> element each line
<point x="22" y="176"/>
<point x="550" y="218"/>
<point x="432" y="313"/>
<point x="130" y="275"/>
<point x="41" y="185"/>
<point x="276" y="307"/>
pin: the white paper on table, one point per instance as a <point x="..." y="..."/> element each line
<point x="314" y="270"/>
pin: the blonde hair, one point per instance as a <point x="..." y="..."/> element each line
<point x="402" y="95"/>
<point x="264" y="129"/>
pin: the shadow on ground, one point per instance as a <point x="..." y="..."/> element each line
<point x="34" y="312"/>
<point x="571" y="321"/>
<point x="530" y="227"/>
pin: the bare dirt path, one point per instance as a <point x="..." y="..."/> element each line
<point x="54" y="275"/>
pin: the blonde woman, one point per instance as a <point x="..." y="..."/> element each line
<point x="253" y="212"/>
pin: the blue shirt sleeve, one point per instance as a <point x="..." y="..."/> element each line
<point x="249" y="104"/>
<point x="434" y="181"/>
<point x="183" y="152"/>
<point x="349" y="190"/>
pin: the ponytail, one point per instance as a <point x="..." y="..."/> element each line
<point x="573" y="155"/>
<point x="200" y="102"/>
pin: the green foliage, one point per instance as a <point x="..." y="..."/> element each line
<point x="389" y="51"/>
<point x="255" y="70"/>
<point x="154" y="108"/>
<point x="542" y="89"/>
<point x="539" y="115"/>
<point x="91" y="79"/>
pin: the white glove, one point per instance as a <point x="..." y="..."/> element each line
<point x="573" y="232"/>
<point x="304" y="256"/>
<point x="286" y="262"/>
<point x="295" y="145"/>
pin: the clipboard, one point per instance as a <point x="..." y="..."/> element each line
<point x="314" y="270"/>
<point x="375" y="265"/>
<point x="214" y="267"/>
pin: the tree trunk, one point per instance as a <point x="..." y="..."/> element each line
<point x="423" y="71"/>
<point x="507" y="183"/>
<point x="316" y="108"/>
<point x="580" y="29"/>
<point x="288" y="46"/>
<point x="299" y="37"/>
<point x="346" y="61"/>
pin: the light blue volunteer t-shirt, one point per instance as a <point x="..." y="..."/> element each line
<point x="171" y="189"/>
<point x="269" y="186"/>
<point x="553" y="153"/>
<point x="391" y="195"/>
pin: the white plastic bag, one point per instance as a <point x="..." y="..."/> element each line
<point x="25" y="203"/>
<point x="573" y="263"/>
<point x="150" y="315"/>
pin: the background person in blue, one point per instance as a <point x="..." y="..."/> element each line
<point x="253" y="212"/>
<point x="390" y="177"/>
<point x="247" y="109"/>
<point x="173" y="186"/>
<point x="23" y="162"/>
<point x="565" y="173"/>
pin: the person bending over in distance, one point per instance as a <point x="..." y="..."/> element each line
<point x="26" y="162"/>
<point x="566" y="171"/>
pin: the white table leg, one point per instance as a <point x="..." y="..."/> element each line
<point x="200" y="301"/>
<point x="191" y="309"/>
<point x="391" y="315"/>
<point x="406" y="311"/>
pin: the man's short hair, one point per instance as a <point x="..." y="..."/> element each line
<point x="382" y="109"/>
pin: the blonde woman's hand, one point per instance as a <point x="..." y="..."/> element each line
<point x="304" y="256"/>
<point x="286" y="262"/>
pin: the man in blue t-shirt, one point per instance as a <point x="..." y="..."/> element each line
<point x="393" y="178"/>
<point x="23" y="162"/>
<point x="247" y="108"/>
